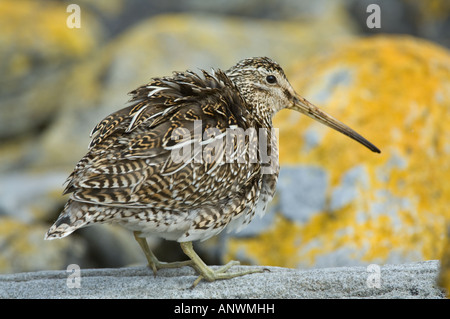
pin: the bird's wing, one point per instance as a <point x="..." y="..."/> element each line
<point x="156" y="153"/>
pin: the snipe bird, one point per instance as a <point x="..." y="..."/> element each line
<point x="130" y="177"/>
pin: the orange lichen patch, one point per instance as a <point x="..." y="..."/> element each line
<point x="395" y="91"/>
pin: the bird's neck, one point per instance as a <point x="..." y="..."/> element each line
<point x="262" y="111"/>
<point x="257" y="105"/>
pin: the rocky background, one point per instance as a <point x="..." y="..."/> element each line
<point x="337" y="204"/>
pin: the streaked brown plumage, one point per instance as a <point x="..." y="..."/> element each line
<point x="129" y="175"/>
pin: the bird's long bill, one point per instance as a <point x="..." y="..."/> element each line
<point x="307" y="108"/>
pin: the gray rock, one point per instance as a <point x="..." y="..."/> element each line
<point x="347" y="191"/>
<point x="418" y="18"/>
<point x="302" y="191"/>
<point x="414" y="280"/>
<point x="28" y="196"/>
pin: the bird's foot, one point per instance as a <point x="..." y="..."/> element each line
<point x="153" y="262"/>
<point x="210" y="275"/>
<point x="207" y="273"/>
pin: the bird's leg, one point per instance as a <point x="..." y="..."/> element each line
<point x="206" y="272"/>
<point x="153" y="262"/>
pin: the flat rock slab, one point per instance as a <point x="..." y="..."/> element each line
<point x="414" y="280"/>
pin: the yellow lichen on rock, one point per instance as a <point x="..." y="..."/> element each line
<point x="36" y="49"/>
<point x="42" y="25"/>
<point x="395" y="91"/>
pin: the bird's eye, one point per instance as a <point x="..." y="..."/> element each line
<point x="271" y="79"/>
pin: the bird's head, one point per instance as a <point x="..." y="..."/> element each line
<point x="266" y="89"/>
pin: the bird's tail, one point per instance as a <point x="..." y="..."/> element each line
<point x="74" y="215"/>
